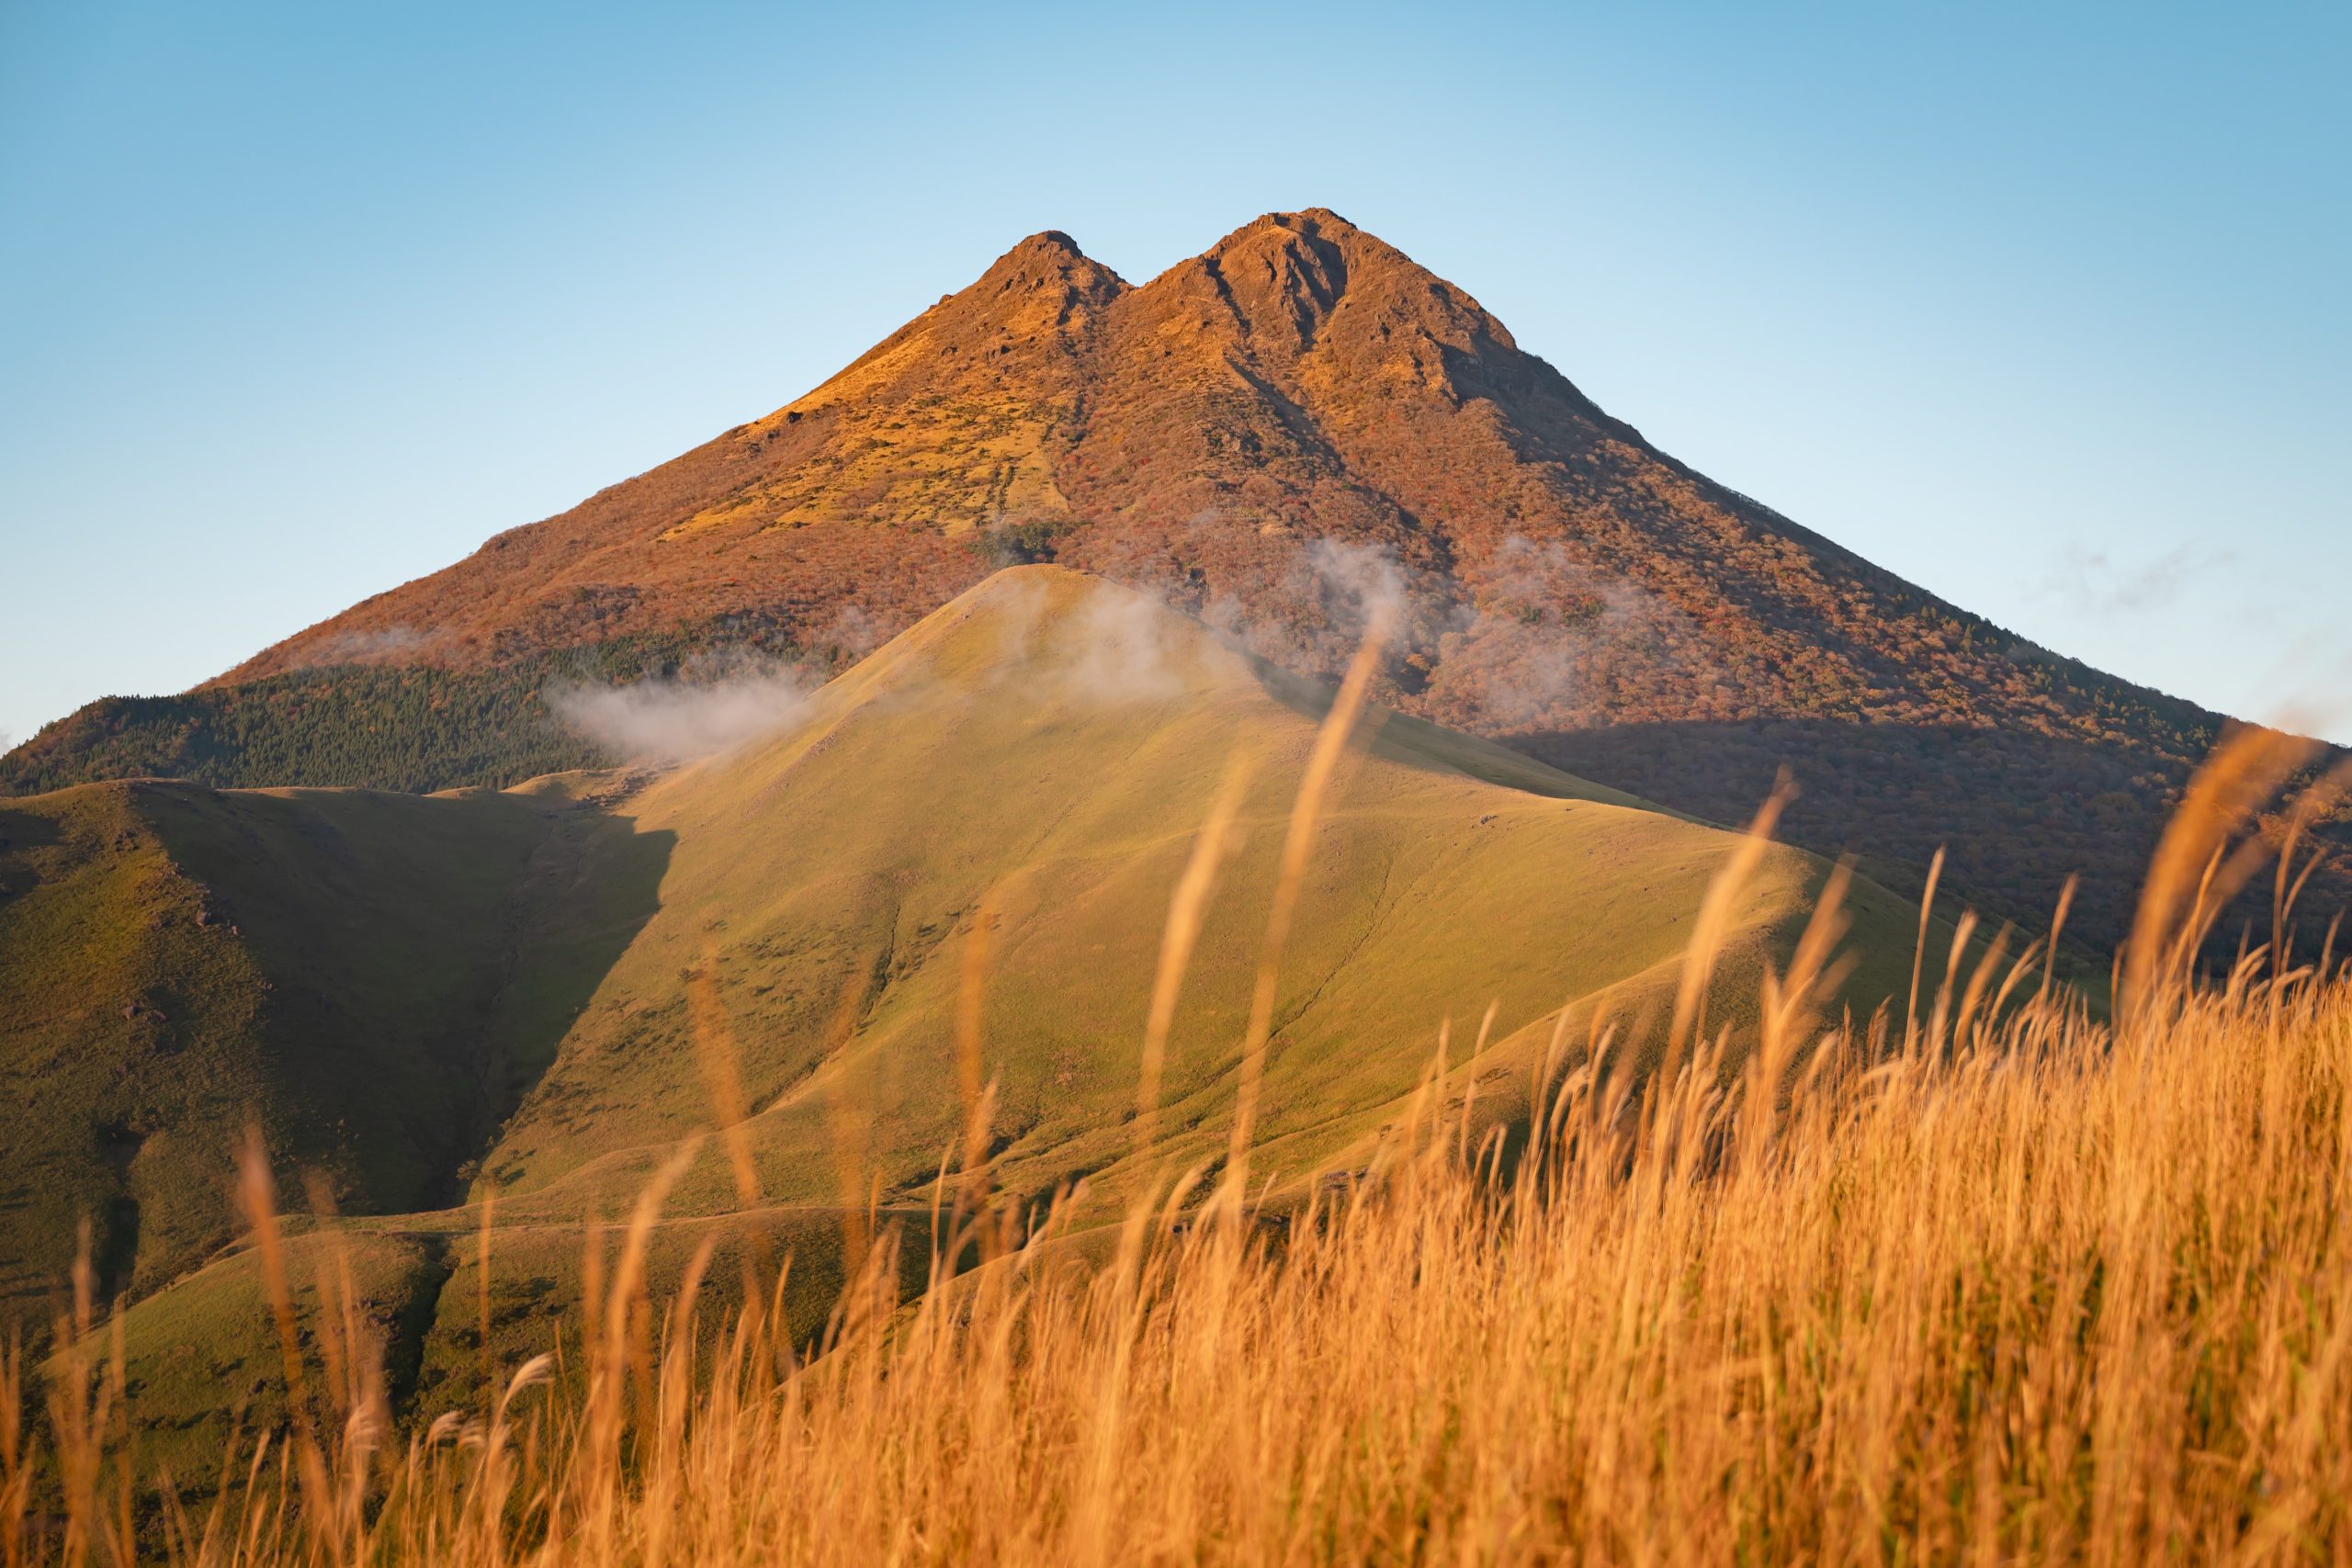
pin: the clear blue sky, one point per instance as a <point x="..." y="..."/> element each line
<point x="2044" y="307"/>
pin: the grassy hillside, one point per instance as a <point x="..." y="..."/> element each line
<point x="1033" y="762"/>
<point x="1048" y="745"/>
<point x="2071" y="1294"/>
<point x="356" y="973"/>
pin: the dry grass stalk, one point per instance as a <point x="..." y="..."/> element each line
<point x="2186" y="887"/>
<point x="978" y="1096"/>
<point x="1716" y="911"/>
<point x="1187" y="907"/>
<point x="714" y="1049"/>
<point x="1919" y="952"/>
<point x="1298" y="845"/>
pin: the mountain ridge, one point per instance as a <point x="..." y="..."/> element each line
<point x="1256" y="435"/>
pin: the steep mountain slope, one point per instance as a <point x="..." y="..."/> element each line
<point x="1256" y="435"/>
<point x="1037" y="755"/>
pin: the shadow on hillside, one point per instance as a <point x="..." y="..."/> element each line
<point x="21" y="830"/>
<point x="420" y="981"/>
<point x="2016" y="812"/>
<point x="588" y="912"/>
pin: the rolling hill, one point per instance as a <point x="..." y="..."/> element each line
<point x="1254" y="436"/>
<point x="525" y="1011"/>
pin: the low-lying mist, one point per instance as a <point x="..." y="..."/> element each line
<point x="709" y="708"/>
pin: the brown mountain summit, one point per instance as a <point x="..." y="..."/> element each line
<point x="1300" y="381"/>
<point x="1265" y="434"/>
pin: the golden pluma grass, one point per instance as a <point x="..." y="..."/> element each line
<point x="2009" y="1281"/>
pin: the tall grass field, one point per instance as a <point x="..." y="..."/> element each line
<point x="2007" y="1274"/>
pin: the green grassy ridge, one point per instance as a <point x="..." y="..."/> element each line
<point x="119" y="1014"/>
<point x="203" y="1360"/>
<point x="1046" y="742"/>
<point x="845" y="862"/>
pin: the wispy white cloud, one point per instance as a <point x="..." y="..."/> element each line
<point x="2099" y="583"/>
<point x="360" y="646"/>
<point x="709" y="709"/>
<point x="1508" y="640"/>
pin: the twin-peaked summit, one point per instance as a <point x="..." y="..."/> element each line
<point x="1299" y="380"/>
<point x="1202" y="425"/>
<point x="1260" y="435"/>
<point x="1268" y="290"/>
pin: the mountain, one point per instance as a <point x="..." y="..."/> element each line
<point x="1260" y="436"/>
<point x="515" y="998"/>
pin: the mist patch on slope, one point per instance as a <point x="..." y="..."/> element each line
<point x="1511" y="642"/>
<point x="1116" y="645"/>
<point x="1515" y="640"/>
<point x="1123" y="648"/>
<point x="358" y="647"/>
<point x="713" y="708"/>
